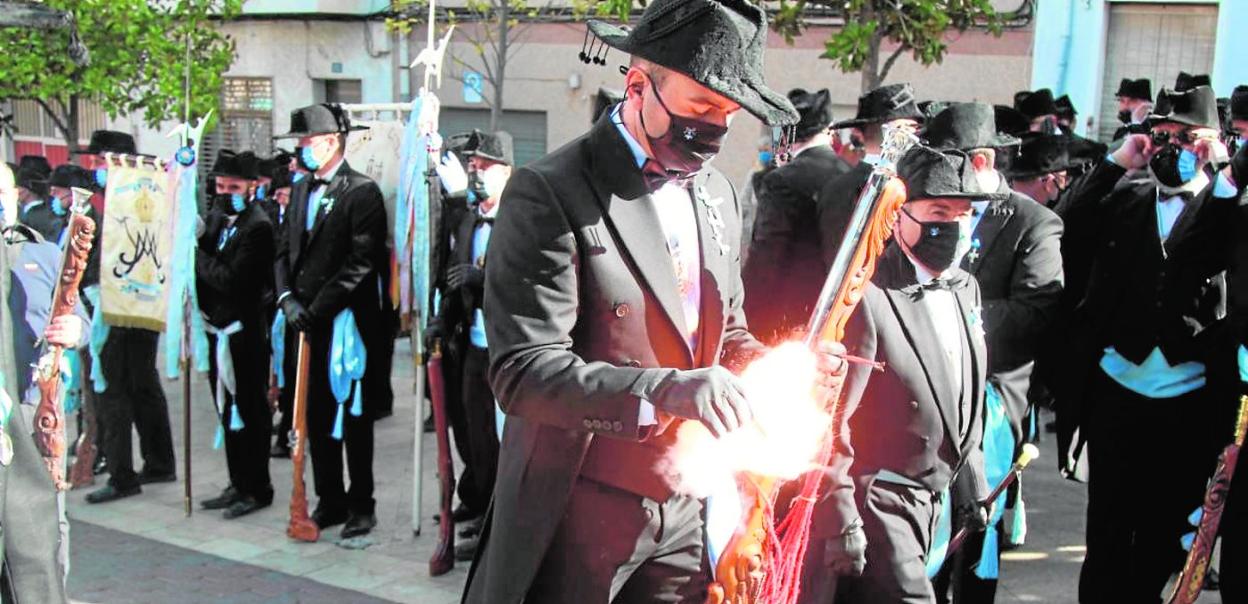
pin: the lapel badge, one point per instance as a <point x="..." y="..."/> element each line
<point x="974" y="255"/>
<point x="327" y="204"/>
<point x="714" y="219"/>
<point x="690" y="133"/>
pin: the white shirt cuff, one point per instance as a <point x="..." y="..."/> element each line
<point x="646" y="414"/>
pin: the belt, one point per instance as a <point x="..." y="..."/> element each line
<point x="892" y="477"/>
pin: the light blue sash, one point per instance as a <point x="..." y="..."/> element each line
<point x="347" y="359"/>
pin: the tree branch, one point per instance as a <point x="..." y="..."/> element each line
<point x="57" y="120"/>
<point x="888" y="65"/>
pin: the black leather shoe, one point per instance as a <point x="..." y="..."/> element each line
<point x="109" y="493"/>
<point x="358" y="525"/>
<point x="325" y="519"/>
<point x="428" y="427"/>
<point x="279" y="451"/>
<point x="466" y="550"/>
<point x="460" y="514"/>
<point x="146" y="477"/>
<point x="246" y="505"/>
<point x="227" y="498"/>
<point x="472" y="528"/>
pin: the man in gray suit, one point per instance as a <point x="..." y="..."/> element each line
<point x="613" y="310"/>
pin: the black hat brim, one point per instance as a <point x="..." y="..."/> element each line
<point x="289" y="135"/>
<point x="762" y="102"/>
<point x="859" y="122"/>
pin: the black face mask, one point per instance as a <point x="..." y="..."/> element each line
<point x="688" y="143"/>
<point x="1124" y="116"/>
<point x="940" y="244"/>
<point x="476" y="188"/>
<point x="1168" y="166"/>
<point x="231" y="204"/>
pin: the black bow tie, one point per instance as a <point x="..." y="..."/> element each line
<point x="317" y="182"/>
<point x="484" y="220"/>
<point x="917" y="290"/>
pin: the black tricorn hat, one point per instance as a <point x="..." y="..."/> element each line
<point x="1011" y="121"/>
<point x="32" y="173"/>
<point x="1041" y="154"/>
<point x="236" y="165"/>
<point x="1065" y="108"/>
<point x="965" y="126"/>
<point x="1197" y="107"/>
<point x="1187" y="81"/>
<point x="717" y="43"/>
<point x="1035" y="104"/>
<point x="109" y="141"/>
<point x="1239" y="103"/>
<point x="496" y="147"/>
<point x="934" y="174"/>
<point x="70" y="175"/>
<point x="931" y="108"/>
<point x="815" y="109"/>
<point x="1136" y="89"/>
<point x="325" y="118"/>
<point x="885" y="104"/>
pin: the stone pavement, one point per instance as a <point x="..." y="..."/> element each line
<point x="144" y="548"/>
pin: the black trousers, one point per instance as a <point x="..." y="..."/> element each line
<point x="357" y="439"/>
<point x="247" y="450"/>
<point x="898" y="522"/>
<point x="617" y="547"/>
<point x="286" y="397"/>
<point x="1149" y="460"/>
<point x="453" y="358"/>
<point x="380" y="362"/>
<point x="958" y="574"/>
<point x="480" y="431"/>
<point x="134" y="398"/>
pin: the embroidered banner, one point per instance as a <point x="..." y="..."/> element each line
<point x="136" y="244"/>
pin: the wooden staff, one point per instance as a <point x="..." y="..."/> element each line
<point x="82" y="472"/>
<point x="443" y="559"/>
<point x="1029" y="454"/>
<point x="301" y="526"/>
<point x="49" y="420"/>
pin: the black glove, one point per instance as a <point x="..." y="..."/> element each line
<point x="973" y="517"/>
<point x="465" y="275"/>
<point x="712" y="396"/>
<point x="1239" y="167"/>
<point x="433" y="332"/>
<point x="847" y="554"/>
<point x="296" y="315"/>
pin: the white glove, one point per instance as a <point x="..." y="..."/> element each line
<point x="451" y="171"/>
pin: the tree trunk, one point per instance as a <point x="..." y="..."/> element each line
<point x="71" y="123"/>
<point x="500" y="63"/>
<point x="871" y="66"/>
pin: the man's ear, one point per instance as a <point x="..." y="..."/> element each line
<point x="634" y="84"/>
<point x="981" y="162"/>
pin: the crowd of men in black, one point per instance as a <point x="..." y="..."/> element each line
<point x="1110" y="277"/>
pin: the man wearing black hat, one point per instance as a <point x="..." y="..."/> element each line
<point x="232" y="273"/>
<point x="461" y="323"/>
<point x="1135" y="103"/>
<point x="1067" y="115"/>
<point x="785" y="270"/>
<point x="1015" y="257"/>
<point x="1188" y="81"/>
<point x="890" y="106"/>
<point x="133" y="396"/>
<point x="1238" y="115"/>
<point x="32" y="181"/>
<point x="1040" y="108"/>
<point x="275" y="204"/>
<point x="49" y="219"/>
<point x="904" y="435"/>
<point x="1143" y="363"/>
<point x="613" y="295"/>
<point x="329" y="281"/>
<point x="1039" y="169"/>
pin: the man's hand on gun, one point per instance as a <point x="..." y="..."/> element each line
<point x="846" y="555"/>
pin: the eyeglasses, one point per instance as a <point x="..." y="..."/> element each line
<point x="1161" y="137"/>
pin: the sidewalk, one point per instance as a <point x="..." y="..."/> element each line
<point x="144" y="549"/>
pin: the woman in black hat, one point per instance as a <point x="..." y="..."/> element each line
<point x="612" y="296"/>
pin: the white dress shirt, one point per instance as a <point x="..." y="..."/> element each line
<point x="942" y="308"/>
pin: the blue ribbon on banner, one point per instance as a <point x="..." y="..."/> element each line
<point x="99" y="336"/>
<point x="347" y="358"/>
<point x="413" y="200"/>
<point x="182" y="281"/>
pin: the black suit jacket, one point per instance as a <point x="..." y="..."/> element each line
<point x="836" y="207"/>
<point x="785" y="273"/>
<point x="459" y="305"/>
<point x="905" y="419"/>
<point x="584" y="318"/>
<point x="342" y="261"/>
<point x="233" y="282"/>
<point x="1018" y="265"/>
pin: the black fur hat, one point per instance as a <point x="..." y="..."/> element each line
<point x="717" y="43"/>
<point x="966" y="126"/>
<point x="1197" y="107"/>
<point x="815" y="109"/>
<point x="1035" y="104"/>
<point x="1136" y="89"/>
<point x="934" y="174"/>
<point x="885" y="104"/>
<point x="325" y="118"/>
<point x="1187" y="81"/>
<point x="109" y="141"/>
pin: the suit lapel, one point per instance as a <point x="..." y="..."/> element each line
<point x="637" y="227"/>
<point x="714" y="273"/>
<point x="332" y="191"/>
<point x="921" y="333"/>
<point x="996" y="216"/>
<point x="974" y="355"/>
<point x="295" y="219"/>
